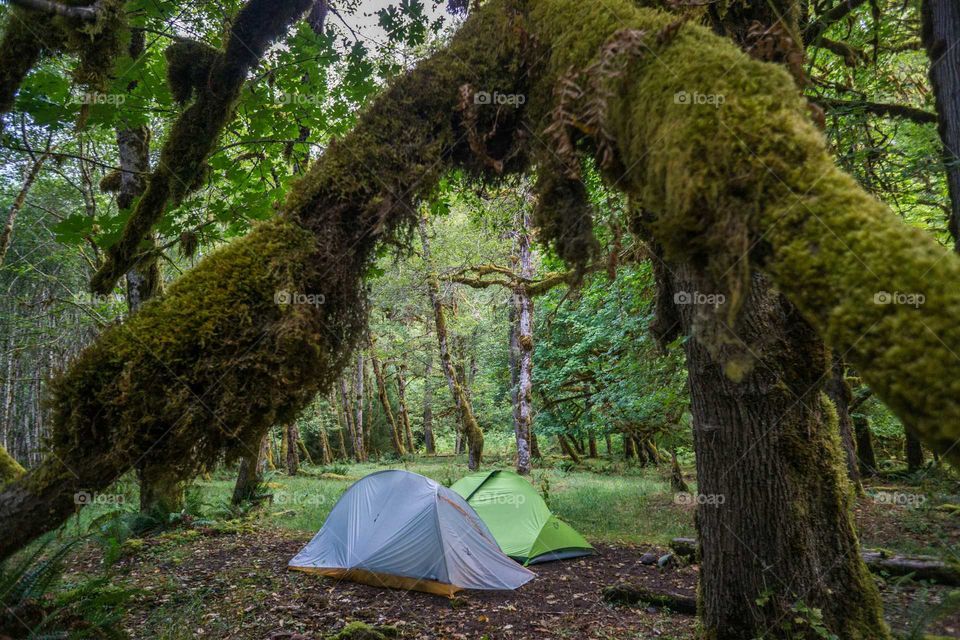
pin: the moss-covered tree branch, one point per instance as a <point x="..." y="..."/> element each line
<point x="743" y="175"/>
<point x="216" y="79"/>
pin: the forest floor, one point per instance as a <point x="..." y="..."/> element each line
<point x="228" y="579"/>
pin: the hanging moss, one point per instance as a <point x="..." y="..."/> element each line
<point x="96" y="43"/>
<point x="188" y="68"/>
<point x="110" y="182"/>
<point x="27" y="35"/>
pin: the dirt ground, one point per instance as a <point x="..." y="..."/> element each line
<point x="239" y="587"/>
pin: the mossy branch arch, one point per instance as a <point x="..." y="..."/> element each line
<point x="251" y="362"/>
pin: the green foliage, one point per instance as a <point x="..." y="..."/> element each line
<point x="599" y="369"/>
<point x="34" y="603"/>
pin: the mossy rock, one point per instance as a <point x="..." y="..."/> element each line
<point x="363" y="631"/>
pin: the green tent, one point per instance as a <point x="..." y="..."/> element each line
<point x="519" y="519"/>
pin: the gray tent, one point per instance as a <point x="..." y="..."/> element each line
<point x="402" y="530"/>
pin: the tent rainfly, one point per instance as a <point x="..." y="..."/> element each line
<point x="401" y="530"/>
<point x="520" y="520"/>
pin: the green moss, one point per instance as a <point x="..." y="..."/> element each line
<point x="188" y="68"/>
<point x="209" y="365"/>
<point x="96" y="43"/>
<point x="10" y="469"/>
<point x="362" y="631"/>
<point x="110" y="182"/>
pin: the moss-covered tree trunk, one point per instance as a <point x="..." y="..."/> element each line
<point x="428" y="442"/>
<point x="774" y="518"/>
<point x="941" y="37"/>
<point x="359" y="441"/>
<point x="470" y="429"/>
<point x="396" y="435"/>
<point x="866" y="458"/>
<point x="291" y="456"/>
<point x="250" y="472"/>
<point x="523" y="303"/>
<point x="775" y="532"/>
<point x="838" y="390"/>
<point x="347" y="410"/>
<point x="143" y="282"/>
<point x="404" y="413"/>
<point x="913" y="451"/>
<point x="326" y="453"/>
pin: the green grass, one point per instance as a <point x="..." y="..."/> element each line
<point x="635" y="508"/>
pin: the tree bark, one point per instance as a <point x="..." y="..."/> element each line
<point x="327" y="454"/>
<point x="292" y="432"/>
<point x="567" y="448"/>
<point x="428" y="442"/>
<point x="302" y="446"/>
<point x="402" y="399"/>
<point x="143" y="282"/>
<point x="348" y="415"/>
<point x="866" y="458"/>
<point x="250" y="473"/>
<point x="395" y="429"/>
<point x="677" y="483"/>
<point x="470" y="427"/>
<point x="913" y="451"/>
<point x="774" y="524"/>
<point x="839" y="393"/>
<point x="941" y="38"/>
<point x="6" y="234"/>
<point x="524" y="314"/>
<point x="359" y="446"/>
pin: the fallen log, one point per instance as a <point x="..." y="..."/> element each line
<point x="625" y="593"/>
<point x="920" y="567"/>
<point x="877" y="560"/>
